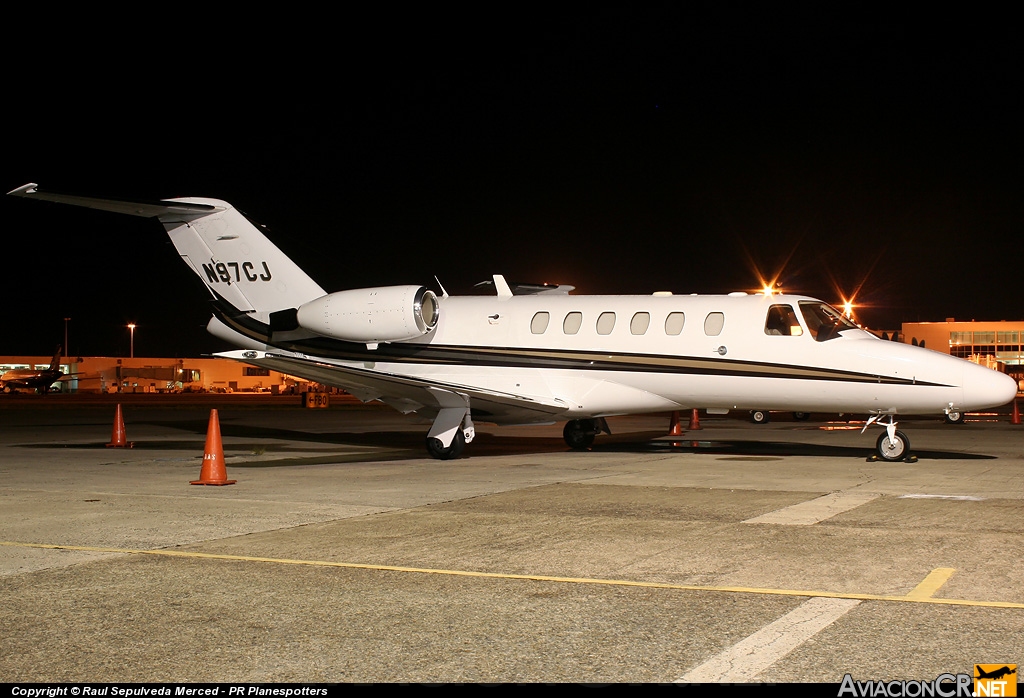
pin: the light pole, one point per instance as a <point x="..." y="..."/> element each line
<point x="66" y="337"/>
<point x="131" y="326"/>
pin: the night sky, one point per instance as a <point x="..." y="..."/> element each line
<point x="621" y="151"/>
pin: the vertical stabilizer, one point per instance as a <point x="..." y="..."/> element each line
<point x="240" y="266"/>
<point x="237" y="262"/>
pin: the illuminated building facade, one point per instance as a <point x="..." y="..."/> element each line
<point x="999" y="345"/>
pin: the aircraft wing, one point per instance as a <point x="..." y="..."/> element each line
<point x="407" y="394"/>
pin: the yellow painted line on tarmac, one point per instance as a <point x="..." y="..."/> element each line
<point x="935" y="579"/>
<point x="531" y="577"/>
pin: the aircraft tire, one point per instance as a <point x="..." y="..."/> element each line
<point x="759" y="416"/>
<point x="437" y="450"/>
<point x="955" y="418"/>
<point x="895" y="450"/>
<point x="801" y="416"/>
<point x="579" y="433"/>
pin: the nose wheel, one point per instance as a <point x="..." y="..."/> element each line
<point x="893" y="447"/>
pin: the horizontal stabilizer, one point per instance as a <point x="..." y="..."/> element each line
<point x="145" y="209"/>
<point x="244" y="271"/>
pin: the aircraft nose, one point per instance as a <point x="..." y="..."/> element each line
<point x="985" y="388"/>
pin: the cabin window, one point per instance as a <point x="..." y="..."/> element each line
<point x="572" y="322"/>
<point x="540" y="322"/>
<point x="674" y="323"/>
<point x="605" y="323"/>
<point x="640" y="323"/>
<point x="713" y="324"/>
<point x="782" y="320"/>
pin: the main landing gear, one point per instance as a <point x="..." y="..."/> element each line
<point x="453" y="426"/>
<point x="579" y="433"/>
<point x="954" y="417"/>
<point x="437" y="449"/>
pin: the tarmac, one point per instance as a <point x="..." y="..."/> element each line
<point x="737" y="552"/>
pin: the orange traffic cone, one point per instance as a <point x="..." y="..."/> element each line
<point x="118" y="438"/>
<point x="694" y="420"/>
<point x="214" y="471"/>
<point x="674" y="428"/>
<point x="1015" y="417"/>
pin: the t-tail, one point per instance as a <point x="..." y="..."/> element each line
<point x="249" y="277"/>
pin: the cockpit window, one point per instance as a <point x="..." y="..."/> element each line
<point x="782" y="320"/>
<point x="824" y="321"/>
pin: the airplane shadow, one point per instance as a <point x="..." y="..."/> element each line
<point x="410" y="445"/>
<point x="405" y="444"/>
<point x="769" y="449"/>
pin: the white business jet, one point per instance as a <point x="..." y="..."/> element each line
<point x="551" y="356"/>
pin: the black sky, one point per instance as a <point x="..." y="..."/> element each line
<point x="622" y="151"/>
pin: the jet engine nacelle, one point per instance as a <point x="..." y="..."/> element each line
<point x="371" y="315"/>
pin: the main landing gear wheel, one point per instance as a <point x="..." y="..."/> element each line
<point x="437" y="450"/>
<point x="579" y="433"/>
<point x="955" y="418"/>
<point x="894" y="449"/>
<point x="801" y="416"/>
<point x="759" y="416"/>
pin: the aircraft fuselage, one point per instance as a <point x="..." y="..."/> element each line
<point x="608" y="355"/>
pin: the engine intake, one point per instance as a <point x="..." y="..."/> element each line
<point x="371" y="315"/>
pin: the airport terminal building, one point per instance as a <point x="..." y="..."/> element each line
<point x="104" y="374"/>
<point x="998" y="345"/>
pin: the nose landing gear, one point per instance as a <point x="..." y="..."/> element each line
<point x="893" y="445"/>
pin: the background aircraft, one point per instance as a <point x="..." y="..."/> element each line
<point x="33" y="379"/>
